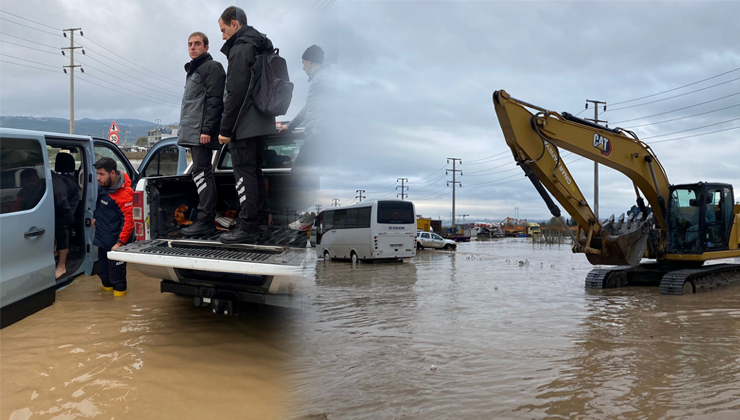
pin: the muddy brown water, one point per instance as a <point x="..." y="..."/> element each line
<point x="470" y="334"/>
<point x="143" y="356"/>
<point x="474" y="335"/>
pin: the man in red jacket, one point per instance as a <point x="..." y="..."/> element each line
<point x="113" y="221"/>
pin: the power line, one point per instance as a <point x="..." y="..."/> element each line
<point x="28" y="40"/>
<point x="691" y="129"/>
<point x="443" y="166"/>
<point x="33" y="21"/>
<point x="683" y="118"/>
<point x="31" y="48"/>
<point x="488" y="169"/>
<point x="492" y="182"/>
<point x="130" y="68"/>
<point x="674" y="97"/>
<point x="676" y="88"/>
<point x="129" y="76"/>
<point x="695" y="135"/>
<point x="679" y="109"/>
<point x="484" y="158"/>
<point x="138" y="93"/>
<point x="128" y="61"/>
<point x="496" y="172"/>
<point x="124" y="93"/>
<point x="34" y="62"/>
<point x="31" y="27"/>
<point x="30" y="67"/>
<point x="163" y="92"/>
<point x="433" y="193"/>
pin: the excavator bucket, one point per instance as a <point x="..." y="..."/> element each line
<point x="620" y="243"/>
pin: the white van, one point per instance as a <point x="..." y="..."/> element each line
<point x="371" y="230"/>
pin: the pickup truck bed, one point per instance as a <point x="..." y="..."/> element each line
<point x="201" y="254"/>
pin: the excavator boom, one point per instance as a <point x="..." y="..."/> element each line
<point x="535" y="140"/>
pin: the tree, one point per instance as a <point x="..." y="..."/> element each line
<point x="142" y="141"/>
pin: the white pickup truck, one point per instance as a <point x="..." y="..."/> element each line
<point x="213" y="273"/>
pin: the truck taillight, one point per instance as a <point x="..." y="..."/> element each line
<point x="138" y="211"/>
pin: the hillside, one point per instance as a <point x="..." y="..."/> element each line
<point x="87" y="126"/>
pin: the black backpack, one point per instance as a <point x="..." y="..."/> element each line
<point x="271" y="89"/>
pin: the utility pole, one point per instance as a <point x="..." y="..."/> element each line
<point x="454" y="183"/>
<point x="360" y="196"/>
<point x="126" y="141"/>
<point x="318" y="208"/>
<point x="71" y="68"/>
<point x="335" y="202"/>
<point x="403" y="187"/>
<point x="596" y="120"/>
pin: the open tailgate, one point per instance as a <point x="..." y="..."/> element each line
<point x="198" y="254"/>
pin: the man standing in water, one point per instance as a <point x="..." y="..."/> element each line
<point x="200" y="118"/>
<point x="113" y="221"/>
<point x="244" y="127"/>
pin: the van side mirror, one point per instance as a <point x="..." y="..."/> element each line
<point x="692" y="202"/>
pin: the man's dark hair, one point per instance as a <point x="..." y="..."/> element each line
<point x="234" y="13"/>
<point x="201" y="35"/>
<point x="106" y="163"/>
<point x="28" y="174"/>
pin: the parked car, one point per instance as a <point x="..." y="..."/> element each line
<point x="434" y="241"/>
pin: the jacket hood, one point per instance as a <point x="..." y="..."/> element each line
<point x="194" y="64"/>
<point x="248" y="35"/>
<point x="122" y="180"/>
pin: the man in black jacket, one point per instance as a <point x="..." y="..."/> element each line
<point x="200" y="119"/>
<point x="244" y="127"/>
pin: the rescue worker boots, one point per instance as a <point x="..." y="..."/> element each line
<point x="199" y="228"/>
<point x="240" y="235"/>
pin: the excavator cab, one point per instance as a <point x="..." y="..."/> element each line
<point x="700" y="218"/>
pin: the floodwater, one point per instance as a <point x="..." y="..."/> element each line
<point x="476" y="335"/>
<point x="143" y="356"/>
<point x="472" y="334"/>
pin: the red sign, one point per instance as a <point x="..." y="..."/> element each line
<point x="113" y="137"/>
<point x="113" y="128"/>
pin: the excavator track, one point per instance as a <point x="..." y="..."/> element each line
<point x="697" y="280"/>
<point x="607" y="278"/>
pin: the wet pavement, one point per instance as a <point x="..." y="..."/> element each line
<point x="498" y="329"/>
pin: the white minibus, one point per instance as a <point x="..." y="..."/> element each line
<point x="371" y="230"/>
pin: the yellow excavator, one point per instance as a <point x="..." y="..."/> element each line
<point x="681" y="228"/>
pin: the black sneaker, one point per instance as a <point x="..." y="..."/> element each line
<point x="199" y="228"/>
<point x="239" y="235"/>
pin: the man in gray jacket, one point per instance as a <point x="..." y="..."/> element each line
<point x="244" y="127"/>
<point x="305" y="169"/>
<point x="200" y="119"/>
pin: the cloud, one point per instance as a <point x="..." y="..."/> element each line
<point x="416" y="78"/>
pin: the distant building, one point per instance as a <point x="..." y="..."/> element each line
<point x="157" y="134"/>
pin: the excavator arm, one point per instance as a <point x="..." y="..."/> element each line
<point x="536" y="140"/>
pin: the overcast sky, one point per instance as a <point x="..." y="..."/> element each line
<point x="416" y="80"/>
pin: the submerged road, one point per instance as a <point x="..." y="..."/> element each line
<point x="476" y="335"/>
<point x="143" y="356"/>
<point x="498" y="329"/>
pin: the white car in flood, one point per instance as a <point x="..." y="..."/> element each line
<point x="432" y="240"/>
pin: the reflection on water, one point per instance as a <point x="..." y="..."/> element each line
<point x="505" y="329"/>
<point x="144" y="356"/>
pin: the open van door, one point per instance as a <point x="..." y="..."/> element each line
<point x="26" y="226"/>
